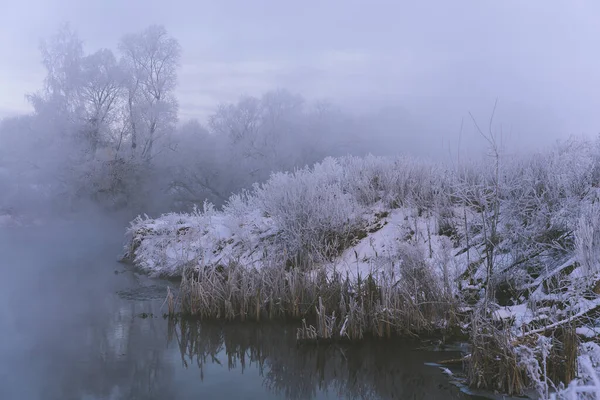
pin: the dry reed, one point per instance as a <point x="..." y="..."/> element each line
<point x="338" y="306"/>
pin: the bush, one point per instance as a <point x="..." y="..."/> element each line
<point x="313" y="214"/>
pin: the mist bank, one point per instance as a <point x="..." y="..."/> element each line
<point x="106" y="131"/>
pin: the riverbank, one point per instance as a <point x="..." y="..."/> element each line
<point x="505" y="253"/>
<point x="73" y="328"/>
<point x="360" y="292"/>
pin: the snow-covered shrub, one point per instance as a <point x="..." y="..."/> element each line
<point x="314" y="216"/>
<point x="533" y="360"/>
<point x="393" y="181"/>
<point x="364" y="178"/>
<point x="419" y="281"/>
<point x="587" y="385"/>
<point x="156" y="246"/>
<point x="494" y="361"/>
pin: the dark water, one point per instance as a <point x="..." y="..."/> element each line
<point x="72" y="328"/>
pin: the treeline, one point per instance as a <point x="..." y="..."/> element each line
<point x="105" y="128"/>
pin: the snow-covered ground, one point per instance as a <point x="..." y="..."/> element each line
<point x="351" y="200"/>
<point x="170" y="243"/>
<point x="388" y="241"/>
<point x="539" y="226"/>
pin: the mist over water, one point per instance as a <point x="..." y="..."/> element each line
<point x="54" y="282"/>
<point x="73" y="327"/>
<point x="110" y="110"/>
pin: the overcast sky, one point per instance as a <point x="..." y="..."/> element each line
<point x="437" y="59"/>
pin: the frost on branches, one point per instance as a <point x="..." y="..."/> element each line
<point x="521" y="235"/>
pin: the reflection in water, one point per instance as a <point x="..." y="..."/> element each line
<point x="72" y="329"/>
<point x="109" y="356"/>
<point x="373" y="369"/>
<point x="65" y="333"/>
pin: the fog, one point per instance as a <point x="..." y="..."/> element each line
<point x="301" y="81"/>
<point x="405" y="76"/>
<point x="434" y="58"/>
<point x="110" y="109"/>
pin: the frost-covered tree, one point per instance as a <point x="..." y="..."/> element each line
<point x="278" y="131"/>
<point x="101" y="90"/>
<point x="91" y="110"/>
<point x="62" y="56"/>
<point x="150" y="60"/>
<point x="81" y="92"/>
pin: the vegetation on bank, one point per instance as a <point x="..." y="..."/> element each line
<point x="507" y="251"/>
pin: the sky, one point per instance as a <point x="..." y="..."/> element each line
<point x="436" y="60"/>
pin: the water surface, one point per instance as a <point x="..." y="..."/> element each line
<point x="77" y="325"/>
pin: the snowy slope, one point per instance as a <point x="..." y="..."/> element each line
<point x="172" y="242"/>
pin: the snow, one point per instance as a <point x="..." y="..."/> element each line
<point x="170" y="243"/>
<point x="371" y="254"/>
<point x="391" y="214"/>
<point x="219" y="238"/>
<point x="305" y="209"/>
<point x="520" y="313"/>
<point x="588" y="332"/>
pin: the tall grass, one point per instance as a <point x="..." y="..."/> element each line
<point x="383" y="304"/>
<point x="501" y="361"/>
<point x="494" y="363"/>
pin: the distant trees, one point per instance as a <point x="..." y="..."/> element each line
<point x="246" y="141"/>
<point x="104" y="128"/>
<point x="81" y="91"/>
<point x="98" y="120"/>
<point x="111" y="119"/>
<point x="62" y="57"/>
<point x="260" y="130"/>
<point x="150" y="60"/>
<point x="101" y="94"/>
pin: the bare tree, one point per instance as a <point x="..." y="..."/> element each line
<point x="61" y="56"/>
<point x="150" y="59"/>
<point x="101" y="88"/>
<point x="490" y="201"/>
